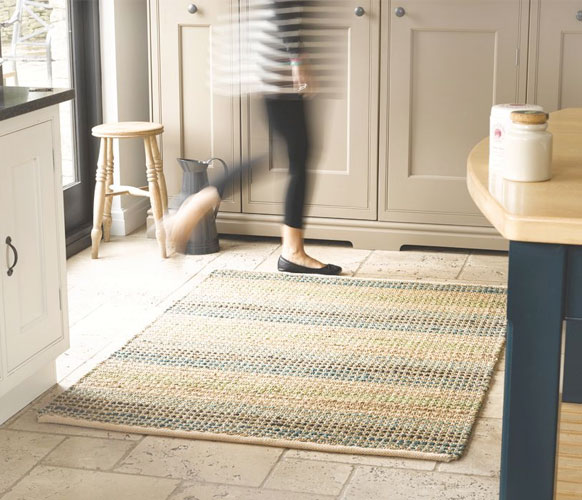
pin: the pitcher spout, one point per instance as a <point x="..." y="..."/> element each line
<point x="189" y="165"/>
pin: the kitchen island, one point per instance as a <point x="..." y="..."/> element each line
<point x="33" y="298"/>
<point x="543" y="222"/>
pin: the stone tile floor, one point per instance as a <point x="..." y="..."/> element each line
<point x="113" y="298"/>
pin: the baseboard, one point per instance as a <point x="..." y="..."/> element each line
<point x="125" y="221"/>
<point x="79" y="240"/>
<point x="371" y="235"/>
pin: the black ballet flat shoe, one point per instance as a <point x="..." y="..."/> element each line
<point x="286" y="266"/>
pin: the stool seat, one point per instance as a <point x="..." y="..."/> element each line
<point x="127" y="129"/>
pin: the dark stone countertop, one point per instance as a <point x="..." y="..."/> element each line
<point x="15" y="101"/>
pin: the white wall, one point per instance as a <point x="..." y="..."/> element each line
<point x="124" y="64"/>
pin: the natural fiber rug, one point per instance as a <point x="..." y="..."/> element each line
<point x="321" y="363"/>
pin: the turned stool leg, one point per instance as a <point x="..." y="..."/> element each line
<point x="99" y="198"/>
<point x="155" y="197"/>
<point x="108" y="199"/>
<point x="160" y="171"/>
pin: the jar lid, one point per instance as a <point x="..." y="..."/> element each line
<point x="529" y="117"/>
<point x="504" y="110"/>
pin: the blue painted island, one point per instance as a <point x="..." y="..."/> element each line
<point x="543" y="222"/>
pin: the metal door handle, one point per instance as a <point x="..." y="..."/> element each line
<point x="192" y="8"/>
<point x="10" y="271"/>
<point x="579" y="15"/>
<point x="359" y="11"/>
<point x="399" y="11"/>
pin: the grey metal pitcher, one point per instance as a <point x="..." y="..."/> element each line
<point x="204" y="237"/>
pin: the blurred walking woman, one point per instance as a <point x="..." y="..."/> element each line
<point x="278" y="68"/>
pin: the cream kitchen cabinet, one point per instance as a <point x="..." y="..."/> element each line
<point x="423" y="75"/>
<point x="199" y="123"/>
<point x="555" y="66"/>
<point x="33" y="319"/>
<point x="342" y="174"/>
<point x="449" y="62"/>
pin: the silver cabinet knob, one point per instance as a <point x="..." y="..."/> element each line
<point x="359" y="11"/>
<point x="192" y="8"/>
<point x="579" y="15"/>
<point x="399" y="11"/>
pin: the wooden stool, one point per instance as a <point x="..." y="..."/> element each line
<point x="105" y="190"/>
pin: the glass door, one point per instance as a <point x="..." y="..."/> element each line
<point x="55" y="44"/>
<point x="36" y="53"/>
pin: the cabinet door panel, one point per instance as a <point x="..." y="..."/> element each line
<point x="556" y="66"/>
<point x="342" y="172"/>
<point x="449" y="63"/>
<point x="199" y="122"/>
<point x="31" y="295"/>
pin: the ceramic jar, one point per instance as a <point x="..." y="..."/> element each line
<point x="528" y="148"/>
<point x="499" y="125"/>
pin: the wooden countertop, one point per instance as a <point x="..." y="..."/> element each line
<point x="541" y="212"/>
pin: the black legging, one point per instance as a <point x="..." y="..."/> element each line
<point x="286" y="117"/>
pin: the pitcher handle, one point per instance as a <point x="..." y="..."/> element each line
<point x="221" y="192"/>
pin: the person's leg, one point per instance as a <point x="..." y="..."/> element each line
<point x="179" y="227"/>
<point x="290" y="120"/>
<point x="287" y="117"/>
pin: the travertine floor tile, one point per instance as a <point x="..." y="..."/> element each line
<point x="80" y="304"/>
<point x="113" y="321"/>
<point x="20" y="452"/>
<point x="82" y="349"/>
<point x="493" y="406"/>
<point x="130" y="271"/>
<point x="27" y="420"/>
<point x="135" y="252"/>
<point x="85" y="345"/>
<point x="413" y="265"/>
<point x="201" y="460"/>
<point x="207" y="491"/>
<point x="51" y="483"/>
<point x="500" y="367"/>
<point x="486" y="268"/>
<point x="309" y="476"/>
<point x="393" y="462"/>
<point x="244" y="255"/>
<point x="88" y="453"/>
<point x="369" y="483"/>
<point x="483" y="457"/>
<point x="66" y="363"/>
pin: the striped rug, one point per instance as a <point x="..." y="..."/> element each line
<point x="321" y="363"/>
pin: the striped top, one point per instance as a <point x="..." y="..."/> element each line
<point x="273" y="35"/>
